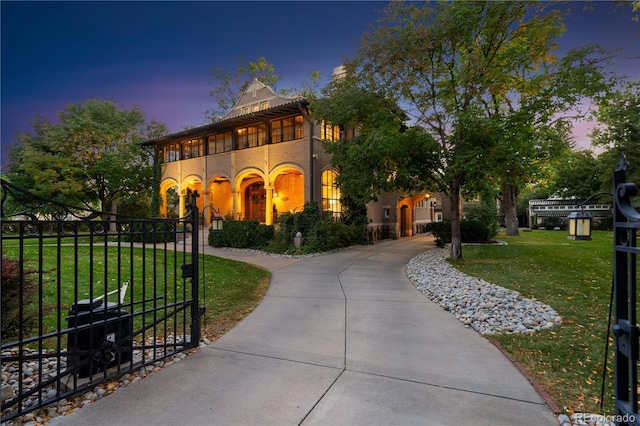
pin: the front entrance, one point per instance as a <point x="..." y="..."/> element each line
<point x="255" y="202"/>
<point x="404" y="222"/>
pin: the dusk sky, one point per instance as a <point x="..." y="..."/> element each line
<point x="158" y="55"/>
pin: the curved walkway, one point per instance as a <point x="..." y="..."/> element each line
<point x="339" y="339"/>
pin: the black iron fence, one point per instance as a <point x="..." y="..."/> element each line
<point x="89" y="296"/>
<point x="625" y="328"/>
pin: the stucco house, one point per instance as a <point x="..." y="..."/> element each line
<point x="265" y="157"/>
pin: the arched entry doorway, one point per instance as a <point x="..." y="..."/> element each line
<point x="405" y="221"/>
<point x="170" y="200"/>
<point x="255" y="202"/>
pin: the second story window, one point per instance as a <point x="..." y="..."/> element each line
<point x="221" y="142"/>
<point x="249" y="137"/>
<point x="171" y="153"/>
<point x="329" y="132"/>
<point x="287" y="129"/>
<point x="193" y="148"/>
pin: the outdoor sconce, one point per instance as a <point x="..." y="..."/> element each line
<point x="216" y="223"/>
<point x="579" y="226"/>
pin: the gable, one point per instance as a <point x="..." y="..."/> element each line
<point x="257" y="97"/>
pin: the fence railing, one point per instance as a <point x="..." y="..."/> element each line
<point x="89" y="296"/>
<point x="625" y="328"/>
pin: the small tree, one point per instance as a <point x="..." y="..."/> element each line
<point x="12" y="284"/>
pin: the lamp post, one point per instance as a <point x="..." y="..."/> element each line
<point x="579" y="226"/>
<point x="217" y="222"/>
<point x="580" y="221"/>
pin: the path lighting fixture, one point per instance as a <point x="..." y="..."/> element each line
<point x="579" y="225"/>
<point x="216" y="223"/>
<point x="580" y="221"/>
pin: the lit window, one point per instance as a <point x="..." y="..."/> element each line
<point x="254" y="107"/>
<point x="245" y="110"/>
<point x="249" y="137"/>
<point x="171" y="153"/>
<point x="331" y="205"/>
<point x="193" y="148"/>
<point x="287" y="129"/>
<point x="221" y="142"/>
<point x="264" y="105"/>
<point x="329" y="132"/>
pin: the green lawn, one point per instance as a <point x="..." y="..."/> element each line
<point x="573" y="277"/>
<point x="230" y="290"/>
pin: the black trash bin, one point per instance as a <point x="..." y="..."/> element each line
<point x="105" y="341"/>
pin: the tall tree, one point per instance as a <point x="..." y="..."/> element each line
<point x="575" y="178"/>
<point x="619" y="132"/>
<point x="91" y="155"/>
<point x="477" y="77"/>
<point x="228" y="85"/>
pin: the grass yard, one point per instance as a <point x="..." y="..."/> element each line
<point x="573" y="277"/>
<point x="230" y="290"/>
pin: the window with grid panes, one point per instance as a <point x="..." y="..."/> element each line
<point x="329" y="132"/>
<point x="221" y="142"/>
<point x="287" y="129"/>
<point x="172" y="152"/>
<point x="249" y="137"/>
<point x="330" y="194"/>
<point x="192" y="148"/>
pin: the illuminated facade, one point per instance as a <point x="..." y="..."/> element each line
<point x="263" y="158"/>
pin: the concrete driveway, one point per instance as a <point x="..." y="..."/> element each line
<point x="339" y="339"/>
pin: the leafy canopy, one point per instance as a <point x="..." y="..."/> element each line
<point x="91" y="155"/>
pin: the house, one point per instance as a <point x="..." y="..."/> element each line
<point x="542" y="209"/>
<point x="265" y="157"/>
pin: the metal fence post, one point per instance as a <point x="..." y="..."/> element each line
<point x="625" y="226"/>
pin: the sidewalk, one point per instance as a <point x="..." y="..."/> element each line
<point x="339" y="339"/>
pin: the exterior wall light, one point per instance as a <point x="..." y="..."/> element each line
<point x="579" y="226"/>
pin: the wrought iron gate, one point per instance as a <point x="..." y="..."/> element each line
<point x="89" y="296"/>
<point x="625" y="329"/>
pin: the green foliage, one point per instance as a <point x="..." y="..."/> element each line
<point x="331" y="235"/>
<point x="304" y="222"/>
<point x="249" y="234"/>
<point x="90" y="156"/>
<point x="228" y="86"/>
<point x="619" y="133"/>
<point x="575" y="177"/>
<point x="11" y="286"/>
<point x="472" y="231"/>
<point x="551" y="223"/>
<point x="481" y="79"/>
<point x="486" y="214"/>
<point x="318" y="234"/>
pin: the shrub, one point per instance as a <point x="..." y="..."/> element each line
<point x="11" y="286"/>
<point x="487" y="215"/>
<point x="331" y="235"/>
<point x="471" y="231"/>
<point x="242" y="234"/>
<point x="550" y="223"/>
<point x="318" y="234"/>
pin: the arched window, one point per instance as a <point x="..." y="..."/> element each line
<point x="330" y="195"/>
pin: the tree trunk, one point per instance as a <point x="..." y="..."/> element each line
<point x="114" y="212"/>
<point x="456" y="236"/>
<point x="509" y="204"/>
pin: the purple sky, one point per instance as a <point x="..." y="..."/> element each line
<point x="158" y="55"/>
